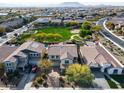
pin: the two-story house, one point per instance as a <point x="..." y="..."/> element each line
<point x="63" y="54"/>
<point x="28" y="53"/>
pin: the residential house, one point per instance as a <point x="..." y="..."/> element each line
<point x="98" y="58"/>
<point x="43" y="21"/>
<point x="118" y="23"/>
<point x="79" y="20"/>
<point x="13" y="23"/>
<point x="28" y="53"/>
<point x="56" y="21"/>
<point x="5" y="51"/>
<point x="63" y="54"/>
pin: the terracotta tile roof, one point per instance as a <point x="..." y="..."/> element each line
<point x="29" y="45"/>
<point x="5" y="51"/>
<point x="63" y="50"/>
<point x="92" y="55"/>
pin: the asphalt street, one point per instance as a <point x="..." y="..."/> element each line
<point x="109" y="35"/>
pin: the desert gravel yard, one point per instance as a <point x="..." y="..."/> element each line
<point x="117" y="52"/>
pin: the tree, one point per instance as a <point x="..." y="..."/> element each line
<point x="96" y="28"/>
<point x="2" y="30"/>
<point x="72" y="23"/>
<point x="84" y="32"/>
<point x="86" y="25"/>
<point x="45" y="65"/>
<point x="79" y="75"/>
<point x="110" y="25"/>
<point x="1" y="69"/>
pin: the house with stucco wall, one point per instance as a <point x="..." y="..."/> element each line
<point x="63" y="54"/>
<point x="98" y="58"/>
<point x="29" y="53"/>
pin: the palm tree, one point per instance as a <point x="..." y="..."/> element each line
<point x="1" y="69"/>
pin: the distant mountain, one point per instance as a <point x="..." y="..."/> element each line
<point x="70" y="4"/>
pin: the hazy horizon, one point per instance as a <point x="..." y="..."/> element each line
<point x="33" y="3"/>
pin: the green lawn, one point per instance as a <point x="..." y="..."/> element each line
<point x="111" y="83"/>
<point x="119" y="78"/>
<point x="64" y="32"/>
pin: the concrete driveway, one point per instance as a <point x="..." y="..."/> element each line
<point x="100" y="81"/>
<point x="26" y="81"/>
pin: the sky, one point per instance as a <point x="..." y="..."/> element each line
<point x="52" y="2"/>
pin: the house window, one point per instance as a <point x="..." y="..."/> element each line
<point x="52" y="56"/>
<point x="115" y="71"/>
<point x="75" y="58"/>
<point x="57" y="57"/>
<point x="66" y="61"/>
<point x="31" y="54"/>
<point x="8" y="64"/>
<point x="37" y="55"/>
<point x="34" y="54"/>
<point x="10" y="70"/>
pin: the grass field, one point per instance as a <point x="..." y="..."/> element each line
<point x="64" y="32"/>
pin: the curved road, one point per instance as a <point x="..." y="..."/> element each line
<point x="113" y="38"/>
<point x="17" y="31"/>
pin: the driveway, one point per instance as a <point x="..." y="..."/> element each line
<point x="29" y="81"/>
<point x="100" y="81"/>
<point x="22" y="82"/>
<point x="26" y="81"/>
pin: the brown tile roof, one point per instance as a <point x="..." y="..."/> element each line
<point x="63" y="50"/>
<point x="29" y="45"/>
<point x="5" y="51"/>
<point x="66" y="55"/>
<point x="92" y="55"/>
<point x="108" y="57"/>
<point x="97" y="54"/>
